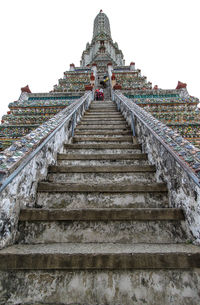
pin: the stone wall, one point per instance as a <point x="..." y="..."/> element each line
<point x="21" y="191"/>
<point x="183" y="183"/>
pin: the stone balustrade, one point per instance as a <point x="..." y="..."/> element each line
<point x="26" y="162"/>
<point x="177" y="160"/>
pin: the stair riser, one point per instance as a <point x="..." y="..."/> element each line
<point x="100" y="122"/>
<point x="101" y="231"/>
<point x="102" y="200"/>
<point x="103" y="117"/>
<point x="103" y="133"/>
<point x="90" y="115"/>
<point x="102" y="162"/>
<point x="101" y="177"/>
<point x="172" y="287"/>
<point x="100" y="135"/>
<point x="96" y="141"/>
<point x="101" y="151"/>
<point x="103" y="127"/>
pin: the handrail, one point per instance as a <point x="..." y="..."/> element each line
<point x="158" y="129"/>
<point x="32" y="154"/>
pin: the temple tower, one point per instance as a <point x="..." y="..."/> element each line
<point x="102" y="50"/>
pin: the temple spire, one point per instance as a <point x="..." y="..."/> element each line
<point x="101" y="25"/>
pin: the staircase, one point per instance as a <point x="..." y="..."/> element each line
<point x="102" y="231"/>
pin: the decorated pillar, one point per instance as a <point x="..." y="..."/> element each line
<point x="72" y="67"/>
<point x="113" y="80"/>
<point x="92" y="80"/>
<point x="132" y="66"/>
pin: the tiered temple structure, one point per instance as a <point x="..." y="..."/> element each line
<point x="102" y="58"/>
<point x="100" y="201"/>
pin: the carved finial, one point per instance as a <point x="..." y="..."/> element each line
<point x="26" y="89"/>
<point x="181" y="85"/>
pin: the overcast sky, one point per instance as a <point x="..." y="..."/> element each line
<point x="40" y="38"/>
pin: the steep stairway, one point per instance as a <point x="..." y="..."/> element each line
<point x="102" y="231"/>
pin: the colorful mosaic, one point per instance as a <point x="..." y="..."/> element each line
<point x="179" y="113"/>
<point x="131" y="80"/>
<point x="25" y="115"/>
<point x="74" y="81"/>
<point x="10" y="157"/>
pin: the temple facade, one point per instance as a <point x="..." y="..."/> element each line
<point x="102" y="60"/>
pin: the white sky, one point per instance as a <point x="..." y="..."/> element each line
<point x="40" y="38"/>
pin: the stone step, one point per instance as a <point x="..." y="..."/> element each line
<point x="102" y="111"/>
<point x="101" y="174"/>
<point x="101" y="169"/>
<point x="102" y="162"/>
<point x="99" y="122"/>
<point x="91" y="115"/>
<point x="80" y="200"/>
<point x="102" y="231"/>
<point x="140" y="156"/>
<point x="57" y="287"/>
<point x="112" y="178"/>
<point x="99" y="188"/>
<point x="103" y="119"/>
<point x="99" y="256"/>
<point x="101" y="225"/>
<point x="103" y="146"/>
<point x="105" y="108"/>
<point x="110" y="214"/>
<point x="123" y="126"/>
<point x="103" y="132"/>
<point x="102" y="139"/>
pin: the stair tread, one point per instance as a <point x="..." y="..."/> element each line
<point x="103" y="146"/>
<point x="93" y="248"/>
<point x="103" y="187"/>
<point x="107" y="214"/>
<point x="101" y="169"/>
<point x="100" y="256"/>
<point x="132" y="156"/>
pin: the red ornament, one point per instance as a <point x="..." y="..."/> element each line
<point x="109" y="64"/>
<point x="113" y="77"/>
<point x="117" y="87"/>
<point x="132" y="63"/>
<point x="26" y="89"/>
<point x="155" y="87"/>
<point x="88" y="88"/>
<point x="8" y="112"/>
<point x="94" y="65"/>
<point x="181" y="85"/>
<point x="92" y="77"/>
<point x="2" y="121"/>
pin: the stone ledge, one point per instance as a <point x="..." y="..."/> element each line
<point x="93" y="256"/>
<point x="102" y="188"/>
<point x="101" y="214"/>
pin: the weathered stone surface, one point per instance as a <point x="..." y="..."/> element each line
<point x="102" y="200"/>
<point x="102" y="157"/>
<point x="101" y="214"/>
<point x="102" y="177"/>
<point x="105" y="188"/>
<point x="107" y="231"/>
<point x="100" y="256"/>
<point x="102" y="139"/>
<point x="103" y="146"/>
<point x="35" y="287"/>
